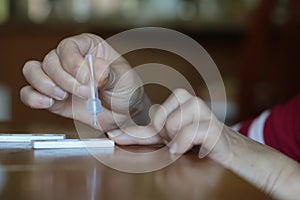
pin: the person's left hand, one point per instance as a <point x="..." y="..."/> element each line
<point x="182" y="121"/>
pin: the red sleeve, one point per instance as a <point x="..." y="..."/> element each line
<point x="282" y="128"/>
<point x="244" y="129"/>
<point x="278" y="128"/>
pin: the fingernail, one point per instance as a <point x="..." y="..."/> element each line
<point x="59" y="93"/>
<point x="113" y="134"/>
<point x="46" y="101"/>
<point x="83" y="91"/>
<point x="172" y="150"/>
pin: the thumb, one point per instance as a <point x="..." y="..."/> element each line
<point x="141" y="135"/>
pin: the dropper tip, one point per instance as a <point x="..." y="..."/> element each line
<point x="95" y="120"/>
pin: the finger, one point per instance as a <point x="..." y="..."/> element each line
<point x="52" y="67"/>
<point x="206" y="133"/>
<point x="41" y="82"/>
<point x="71" y="52"/>
<point x="178" y="97"/>
<point x="141" y="135"/>
<point x="193" y="110"/>
<point x="187" y="137"/>
<point x="34" y="99"/>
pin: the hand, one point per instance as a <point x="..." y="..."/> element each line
<point x="184" y="121"/>
<point x="63" y="76"/>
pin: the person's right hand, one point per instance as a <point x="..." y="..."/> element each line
<point x="63" y="76"/>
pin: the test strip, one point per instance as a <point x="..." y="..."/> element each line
<point x="20" y="137"/>
<point x="73" y="143"/>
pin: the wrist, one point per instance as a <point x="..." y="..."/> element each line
<point x="263" y="166"/>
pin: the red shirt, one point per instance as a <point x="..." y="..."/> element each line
<point x="278" y="128"/>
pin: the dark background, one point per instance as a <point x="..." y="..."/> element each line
<point x="256" y="51"/>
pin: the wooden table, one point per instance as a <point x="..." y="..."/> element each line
<point x="76" y="174"/>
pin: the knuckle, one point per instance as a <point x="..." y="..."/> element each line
<point x="87" y="35"/>
<point x="71" y="62"/>
<point x="22" y="94"/>
<point x="180" y="92"/>
<point x="64" y="44"/>
<point x="48" y="60"/>
<point x="67" y="44"/>
<point x="28" y="67"/>
<point x="171" y="127"/>
<point x="195" y="105"/>
<point x="200" y="108"/>
<point x="26" y="97"/>
<point x="197" y="102"/>
<point x="90" y="36"/>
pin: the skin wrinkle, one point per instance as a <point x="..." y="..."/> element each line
<point x="286" y="179"/>
<point x="228" y="159"/>
<point x="266" y="187"/>
<point x="272" y="188"/>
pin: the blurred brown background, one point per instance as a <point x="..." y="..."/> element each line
<point x="254" y="43"/>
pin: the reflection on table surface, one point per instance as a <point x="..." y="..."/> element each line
<point x="78" y="174"/>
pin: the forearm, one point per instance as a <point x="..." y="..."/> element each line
<point x="263" y="166"/>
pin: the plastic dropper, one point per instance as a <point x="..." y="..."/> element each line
<point x="93" y="103"/>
